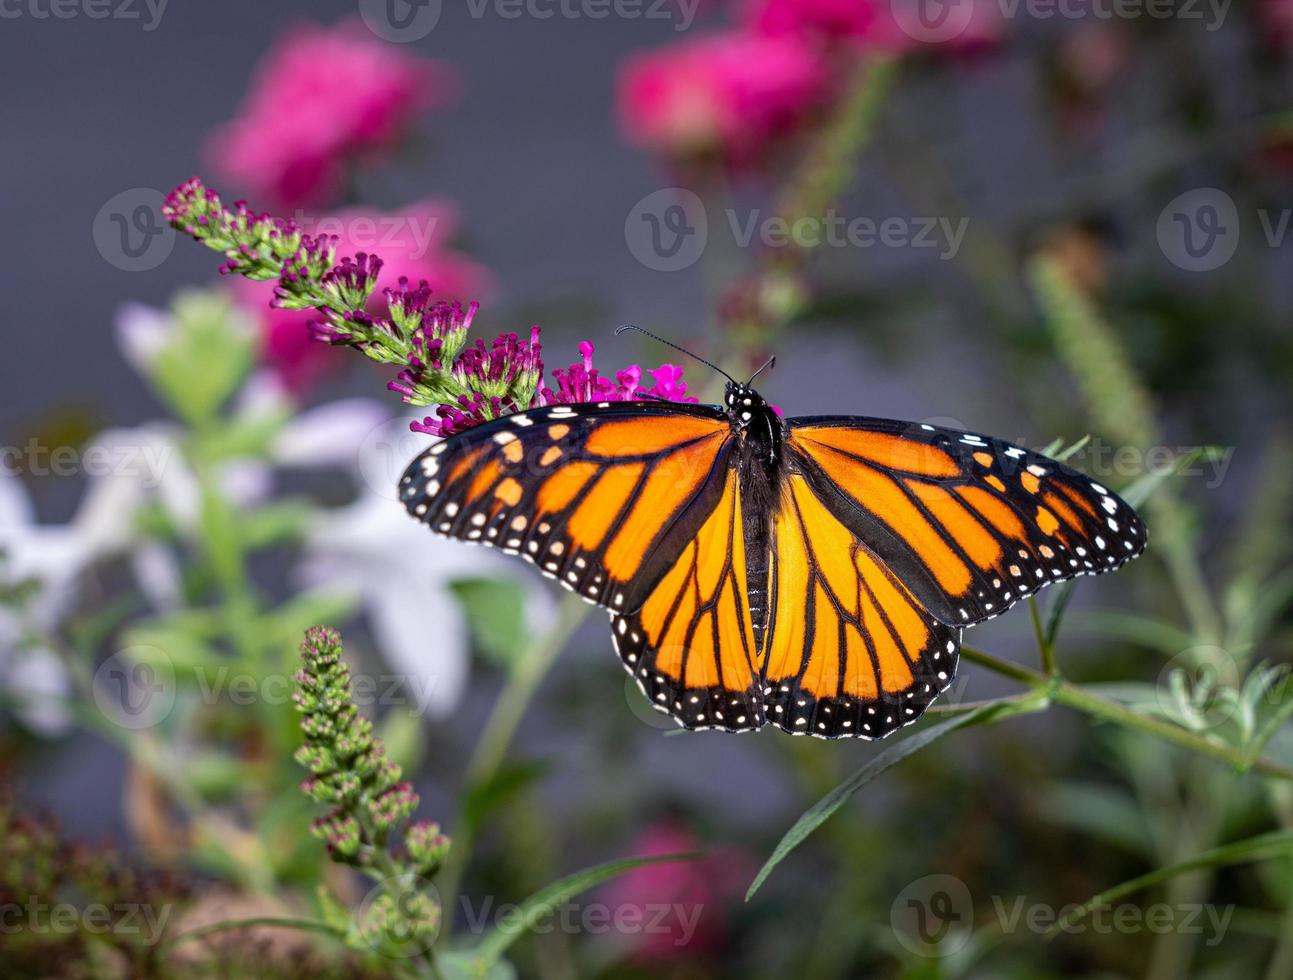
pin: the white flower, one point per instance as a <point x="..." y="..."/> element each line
<point x="53" y="557"/>
<point x="404" y="574"/>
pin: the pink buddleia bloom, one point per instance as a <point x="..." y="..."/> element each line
<point x="726" y="94"/>
<point x="584" y="383"/>
<point x="321" y="98"/>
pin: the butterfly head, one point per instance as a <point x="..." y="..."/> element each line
<point x="743" y="403"/>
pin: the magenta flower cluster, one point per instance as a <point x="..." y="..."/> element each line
<point x="426" y="339"/>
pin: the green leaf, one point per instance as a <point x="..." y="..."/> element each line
<point x="491" y="948"/>
<point x="1055" y="615"/>
<point x="276" y="523"/>
<point x="1252" y="849"/>
<point x="836" y="798"/>
<point x="170" y="647"/>
<point x="206" y="358"/>
<point x="1143" y="488"/>
<point x="495" y="608"/>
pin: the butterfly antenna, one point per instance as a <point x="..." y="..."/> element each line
<point x="771" y="362"/>
<point x="669" y="343"/>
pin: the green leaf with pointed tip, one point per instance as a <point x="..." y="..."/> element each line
<point x="836" y="798"/>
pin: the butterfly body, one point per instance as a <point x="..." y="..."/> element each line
<point x="812" y="573"/>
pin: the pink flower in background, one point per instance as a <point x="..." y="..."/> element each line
<point x="696" y="892"/>
<point x="727" y="94"/>
<point x="1276" y="17"/>
<point x="320" y="98"/>
<point x="413" y="243"/>
<point x="859" y="21"/>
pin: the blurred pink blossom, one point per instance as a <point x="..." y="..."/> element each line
<point x="414" y="243"/>
<point x="725" y="94"/>
<point x="321" y="97"/>
<point x="862" y="21"/>
<point x="1276" y="18"/>
<point x="697" y="893"/>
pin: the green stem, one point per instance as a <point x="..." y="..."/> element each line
<point x="1071" y="695"/>
<point x="1044" y="645"/>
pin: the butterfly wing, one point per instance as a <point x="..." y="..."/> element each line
<point x="632" y="506"/>
<point x="968" y="524"/>
<point x="691" y="646"/>
<point x="850" y="650"/>
<point x="601" y="497"/>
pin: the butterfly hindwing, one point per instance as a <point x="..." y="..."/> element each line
<point x="600" y="497"/>
<point x="691" y="646"/>
<point x="850" y="651"/>
<point x="968" y="523"/>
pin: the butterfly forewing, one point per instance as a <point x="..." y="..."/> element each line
<point x="601" y="497"/>
<point x="968" y="523"/>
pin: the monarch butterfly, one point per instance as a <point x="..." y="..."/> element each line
<point x="813" y="573"/>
